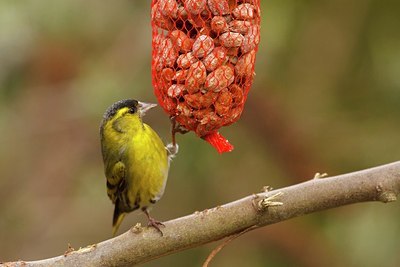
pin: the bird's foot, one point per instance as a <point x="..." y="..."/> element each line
<point x="172" y="150"/>
<point x="155" y="224"/>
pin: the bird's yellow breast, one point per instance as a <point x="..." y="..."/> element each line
<point x="150" y="166"/>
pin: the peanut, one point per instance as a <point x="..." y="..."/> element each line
<point x="231" y="39"/>
<point x="233" y="115"/>
<point x="209" y="118"/>
<point x="219" y="79"/>
<point x="187" y="122"/>
<point x="237" y="94"/>
<point x="197" y="21"/>
<point x="182" y="13"/>
<point x="159" y="19"/>
<point x="233" y="59"/>
<point x="202" y="46"/>
<point x="233" y="51"/>
<point x="251" y="39"/>
<point x="240" y="26"/>
<point x="166" y="54"/>
<point x="201" y="113"/>
<point x="184" y="109"/>
<point x="181" y="41"/>
<point x="195" y="7"/>
<point x="211" y="122"/>
<point x="232" y="4"/>
<point x="180" y="76"/>
<point x="184" y="61"/>
<point x="196" y="77"/>
<point x="176" y="90"/>
<point x="245" y="64"/>
<point x="199" y="100"/>
<point x="218" y="7"/>
<point x="193" y="100"/>
<point x="167" y="74"/>
<point x="169" y="8"/>
<point x="244" y="12"/>
<point x="223" y="102"/>
<point x="219" y="25"/>
<point x="169" y="105"/>
<point x="215" y="59"/>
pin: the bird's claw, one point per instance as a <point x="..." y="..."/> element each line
<point x="156" y="224"/>
<point x="172" y="150"/>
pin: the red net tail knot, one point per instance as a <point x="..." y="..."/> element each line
<point x="218" y="142"/>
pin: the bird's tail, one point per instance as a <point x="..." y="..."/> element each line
<point x="117" y="218"/>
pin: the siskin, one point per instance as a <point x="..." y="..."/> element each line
<point x="136" y="162"/>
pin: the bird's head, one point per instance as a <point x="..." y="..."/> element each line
<point x="124" y="115"/>
<point x="127" y="107"/>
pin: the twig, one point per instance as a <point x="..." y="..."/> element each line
<point x="176" y="128"/>
<point x="224" y="244"/>
<point x="133" y="247"/>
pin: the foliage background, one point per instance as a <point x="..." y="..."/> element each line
<point x="326" y="99"/>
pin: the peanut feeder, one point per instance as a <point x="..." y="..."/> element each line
<point x="203" y="60"/>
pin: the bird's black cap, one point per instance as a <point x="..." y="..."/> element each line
<point x="126" y="103"/>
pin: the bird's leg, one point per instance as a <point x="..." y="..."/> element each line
<point x="153" y="222"/>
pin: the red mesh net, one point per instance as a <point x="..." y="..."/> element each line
<point x="203" y="61"/>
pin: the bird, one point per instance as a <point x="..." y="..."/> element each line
<point x="136" y="161"/>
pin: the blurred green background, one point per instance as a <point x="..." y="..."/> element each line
<point x="326" y="98"/>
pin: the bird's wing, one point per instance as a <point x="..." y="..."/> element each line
<point x="116" y="188"/>
<point x="116" y="180"/>
<point x="116" y="173"/>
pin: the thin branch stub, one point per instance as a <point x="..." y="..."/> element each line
<point x="267" y="201"/>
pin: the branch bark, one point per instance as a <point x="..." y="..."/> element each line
<point x="140" y="245"/>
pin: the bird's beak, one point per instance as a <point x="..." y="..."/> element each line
<point x="144" y="107"/>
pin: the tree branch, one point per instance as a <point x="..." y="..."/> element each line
<point x="139" y="244"/>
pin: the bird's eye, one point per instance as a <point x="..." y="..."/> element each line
<point x="132" y="110"/>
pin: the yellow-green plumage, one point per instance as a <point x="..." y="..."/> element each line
<point x="136" y="161"/>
